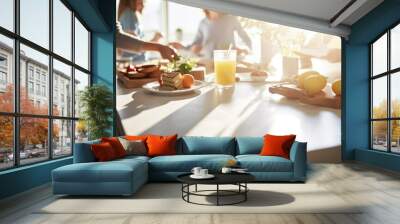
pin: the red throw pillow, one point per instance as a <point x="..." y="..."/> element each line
<point x="116" y="145"/>
<point x="161" y="145"/>
<point x="277" y="145"/>
<point x="103" y="152"/>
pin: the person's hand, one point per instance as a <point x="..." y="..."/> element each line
<point x="157" y="36"/>
<point x="167" y="52"/>
<point x="176" y="45"/>
<point x="196" y="48"/>
<point x="241" y="51"/>
<point x="333" y="55"/>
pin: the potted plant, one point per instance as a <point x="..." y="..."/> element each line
<point x="96" y="104"/>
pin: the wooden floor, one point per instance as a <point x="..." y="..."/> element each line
<point x="378" y="189"/>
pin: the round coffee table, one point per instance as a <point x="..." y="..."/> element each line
<point x="238" y="179"/>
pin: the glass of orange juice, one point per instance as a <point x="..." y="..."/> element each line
<point x="225" y="67"/>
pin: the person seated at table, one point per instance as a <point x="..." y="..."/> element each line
<point x="128" y="42"/>
<point x="129" y="12"/>
<point x="216" y="31"/>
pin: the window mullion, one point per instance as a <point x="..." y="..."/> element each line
<point x="389" y="101"/>
<point x="50" y="81"/>
<point x="16" y="84"/>
<point x="371" y="143"/>
<point x="73" y="82"/>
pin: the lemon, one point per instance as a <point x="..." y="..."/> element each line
<point x="337" y="87"/>
<point x="314" y="83"/>
<point x="301" y="77"/>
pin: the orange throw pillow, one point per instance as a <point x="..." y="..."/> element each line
<point x="161" y="145"/>
<point x="277" y="145"/>
<point x="116" y="145"/>
<point x="103" y="152"/>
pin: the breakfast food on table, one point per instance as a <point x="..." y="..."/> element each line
<point x="187" y="80"/>
<point x="187" y="66"/>
<point x="259" y="73"/>
<point x="321" y="99"/>
<point x="147" y="68"/>
<point x="130" y="68"/>
<point x="312" y="82"/>
<point x="134" y="76"/>
<point x="198" y="73"/>
<point x="337" y="87"/>
<point x="300" y="78"/>
<point x="175" y="81"/>
<point x="171" y="81"/>
<point x="310" y="88"/>
<point x="176" y="75"/>
<point x="140" y="71"/>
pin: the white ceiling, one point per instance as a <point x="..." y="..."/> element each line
<point x="313" y="15"/>
<point x="320" y="9"/>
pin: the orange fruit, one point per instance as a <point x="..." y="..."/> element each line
<point x="337" y="87"/>
<point x="187" y="80"/>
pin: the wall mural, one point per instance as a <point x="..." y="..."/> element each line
<point x="264" y="78"/>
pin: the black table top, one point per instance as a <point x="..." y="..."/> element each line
<point x="220" y="178"/>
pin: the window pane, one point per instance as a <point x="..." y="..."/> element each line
<point x="81" y="45"/>
<point x="62" y="138"/>
<point x="379" y="97"/>
<point x="379" y="135"/>
<point x="81" y="81"/>
<point x="35" y="21"/>
<point x="187" y="27"/>
<point x="395" y="136"/>
<point x="62" y="29"/>
<point x="81" y="131"/>
<point x="34" y="81"/>
<point x="33" y="139"/>
<point x="6" y="74"/>
<point x="62" y="89"/>
<point x="379" y="55"/>
<point x="6" y="142"/>
<point x="7" y="14"/>
<point x="395" y="47"/>
<point x="395" y="94"/>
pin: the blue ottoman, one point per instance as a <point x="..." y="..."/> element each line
<point x="118" y="177"/>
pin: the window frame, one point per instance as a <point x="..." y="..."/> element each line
<point x="16" y="114"/>
<point x="388" y="74"/>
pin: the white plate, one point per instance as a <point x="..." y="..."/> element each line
<point x="208" y="176"/>
<point x="154" y="87"/>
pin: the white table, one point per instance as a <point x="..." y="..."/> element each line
<point x="248" y="109"/>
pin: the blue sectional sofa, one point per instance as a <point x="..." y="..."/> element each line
<point x="125" y="176"/>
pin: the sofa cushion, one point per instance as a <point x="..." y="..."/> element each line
<point x="257" y="163"/>
<point x="83" y="152"/>
<point x="185" y="163"/>
<point x="116" y="145"/>
<point x="193" y="145"/>
<point x="111" y="171"/>
<point x="103" y="152"/>
<point x="277" y="145"/>
<point x="161" y="145"/>
<point x="133" y="158"/>
<point x="133" y="147"/>
<point x="249" y="145"/>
